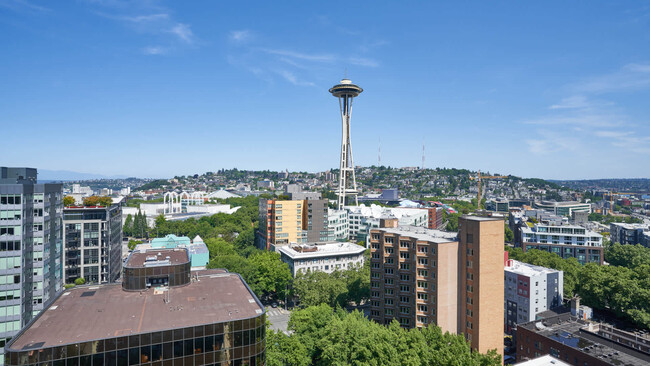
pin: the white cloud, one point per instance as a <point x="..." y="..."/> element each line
<point x="630" y="77"/>
<point x="290" y="77"/>
<point x="576" y="101"/>
<point x="154" y="50"/>
<point x="240" y="35"/>
<point x="580" y="119"/>
<point x="23" y="5"/>
<point x="146" y="18"/>
<point x="301" y="56"/>
<point x="183" y="32"/>
<point x="360" y="61"/>
<point x="548" y="142"/>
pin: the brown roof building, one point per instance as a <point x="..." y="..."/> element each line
<point x="214" y="317"/>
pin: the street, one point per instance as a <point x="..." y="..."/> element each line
<point x="278" y="317"/>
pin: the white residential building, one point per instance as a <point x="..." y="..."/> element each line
<point x="362" y="218"/>
<point x="561" y="234"/>
<point x="337" y="225"/>
<point x="325" y="257"/>
<point x="529" y="290"/>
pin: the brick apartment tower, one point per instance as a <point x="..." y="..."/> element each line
<point x="481" y="282"/>
<point x="414" y="277"/>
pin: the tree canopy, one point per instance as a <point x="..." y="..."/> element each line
<point x="98" y="201"/>
<point x="68" y="201"/>
<point x="339" y="288"/>
<point x="322" y="336"/>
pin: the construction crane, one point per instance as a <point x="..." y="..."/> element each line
<point x="479" y="179"/>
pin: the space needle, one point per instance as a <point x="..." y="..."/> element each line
<point x="346" y="92"/>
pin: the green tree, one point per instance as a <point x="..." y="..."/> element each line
<point x="127" y="228"/>
<point x="80" y="281"/>
<point x="132" y="243"/>
<point x="509" y="235"/>
<point x="282" y="350"/>
<point x="91" y="201"/>
<point x="342" y="338"/>
<point x="105" y="201"/>
<point x="68" y="201"/>
<point x="271" y="275"/>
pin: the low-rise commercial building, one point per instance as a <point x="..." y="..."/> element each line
<point x="324" y="257"/>
<point x="564" y="208"/>
<point x="197" y="249"/>
<point x="337" y="225"/>
<point x="580" y="342"/>
<point x="629" y="233"/>
<point x="530" y="290"/>
<point x="188" y="321"/>
<point x="497" y="205"/>
<point x="93" y="243"/>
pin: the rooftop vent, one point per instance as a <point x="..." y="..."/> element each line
<point x="87" y="293"/>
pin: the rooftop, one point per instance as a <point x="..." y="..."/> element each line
<point x="481" y="218"/>
<point x="141" y="257"/>
<point x="88" y="313"/>
<point x="563" y="203"/>
<point x="631" y="226"/>
<point x="526" y="269"/>
<point x="424" y="234"/>
<point x="377" y="212"/>
<point x="585" y="337"/>
<point x="546" y="360"/>
<point x="321" y="249"/>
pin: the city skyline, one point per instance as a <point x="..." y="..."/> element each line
<point x="553" y="90"/>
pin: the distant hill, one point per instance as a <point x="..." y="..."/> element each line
<point x="620" y="184"/>
<point x="59" y="175"/>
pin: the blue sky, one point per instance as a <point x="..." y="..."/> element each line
<point x="555" y="90"/>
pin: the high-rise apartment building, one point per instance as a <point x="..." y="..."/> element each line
<point x="421" y="276"/>
<point x="292" y="221"/>
<point x="93" y="243"/>
<point x="413" y="276"/>
<point x="481" y="282"/>
<point x="31" y="244"/>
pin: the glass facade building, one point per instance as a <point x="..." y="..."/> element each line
<point x="93" y="243"/>
<point x="31" y="245"/>
<point x="235" y="343"/>
<point x="162" y="314"/>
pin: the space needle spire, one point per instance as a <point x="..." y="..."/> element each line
<point x="346" y="92"/>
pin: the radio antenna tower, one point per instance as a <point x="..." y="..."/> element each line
<point x="379" y="155"/>
<point x="346" y="92"/>
<point x="423" y="155"/>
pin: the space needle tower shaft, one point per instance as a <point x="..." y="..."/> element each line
<point x="346" y="92"/>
